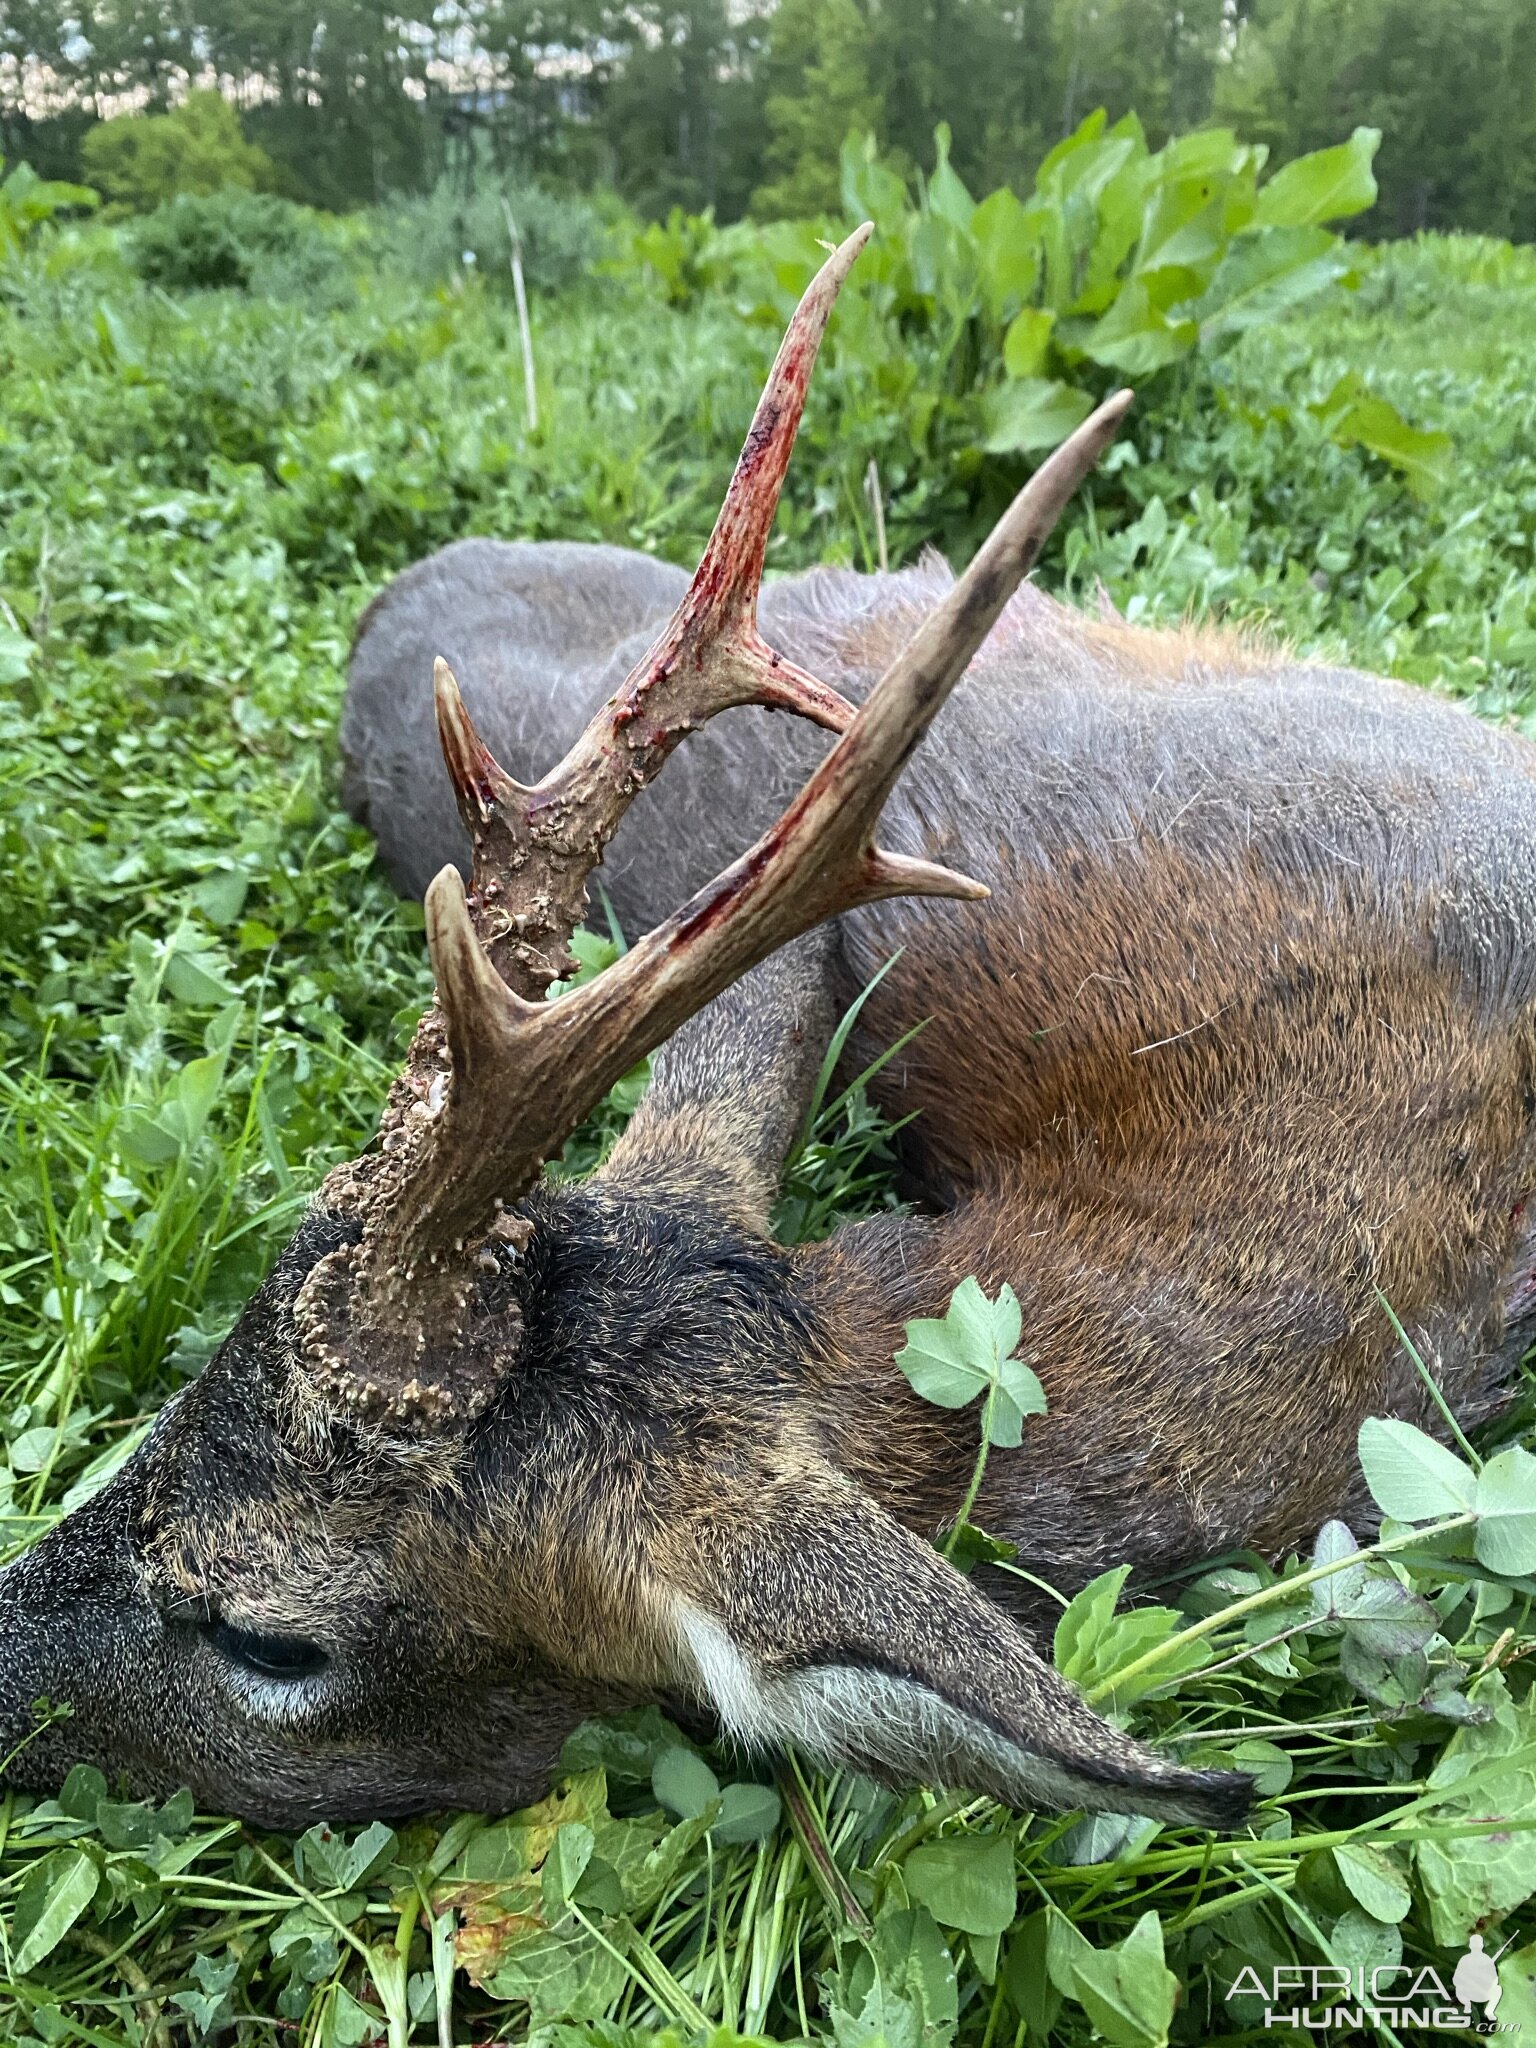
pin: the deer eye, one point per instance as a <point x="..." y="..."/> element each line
<point x="270" y="1656"/>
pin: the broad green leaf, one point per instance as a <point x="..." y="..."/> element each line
<point x="197" y="978"/>
<point x="1265" y="272"/>
<point x="684" y="1783"/>
<point x="197" y="1090"/>
<point x="955" y="1358"/>
<point x="1505" y="1499"/>
<point x="1093" y="1642"/>
<point x="1411" y="1477"/>
<point x="1104" y="1837"/>
<point x="348" y="2024"/>
<point x="967" y="1353"/>
<point x="1184" y="226"/>
<point x="1485" y="1773"/>
<point x="1271" y="1766"/>
<point x="1027" y="1980"/>
<point x="215" y="1977"/>
<point x="1136" y="337"/>
<point x="1064" y="1948"/>
<point x="1375" y="1879"/>
<point x="53" y="1895"/>
<point x="599" y="1891"/>
<point x="1207" y="153"/>
<point x="1517" y="1980"/>
<point x="31" y="1451"/>
<point x="146" y="1140"/>
<point x="82" y="1792"/>
<point x="1083" y="137"/>
<point x="1330" y="184"/>
<point x="748" y="1813"/>
<point x="1360" y="1942"/>
<point x="967" y="1546"/>
<point x="516" y="1846"/>
<point x="1031" y="413"/>
<point x="119" y="348"/>
<point x="565" y="1865"/>
<point x="898" y="1989"/>
<point x="1028" y="341"/>
<point x="1355" y="416"/>
<point x="870" y="190"/>
<point x="17" y="651"/>
<point x="1007" y="254"/>
<point x="625" y="1746"/>
<point x="947" y="196"/>
<point x="569" y="1977"/>
<point x="330" y="1862"/>
<point x="647" y="1854"/>
<point x="221" y="895"/>
<point x="1128" y="1991"/>
<point x="1085" y="1621"/>
<point x="1368" y="1600"/>
<point x="965" y="1881"/>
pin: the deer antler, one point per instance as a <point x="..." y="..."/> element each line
<point x="410" y="1319"/>
<point x="535" y="847"/>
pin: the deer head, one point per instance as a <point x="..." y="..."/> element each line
<point x="486" y="1454"/>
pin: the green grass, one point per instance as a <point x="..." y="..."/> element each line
<point x="208" y="989"/>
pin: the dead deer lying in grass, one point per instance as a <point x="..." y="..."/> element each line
<point x="1242" y="1034"/>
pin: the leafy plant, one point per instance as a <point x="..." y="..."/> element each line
<point x="140" y="160"/>
<point x="27" y="201"/>
<point x="995" y="327"/>
<point x="435" y="237"/>
<point x="234" y="240"/>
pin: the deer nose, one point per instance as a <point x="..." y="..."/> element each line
<point x="66" y="1607"/>
<point x="28" y="1681"/>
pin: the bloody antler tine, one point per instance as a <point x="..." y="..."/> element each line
<point x="726" y="581"/>
<point x="534" y="848"/>
<point x="479" y="781"/>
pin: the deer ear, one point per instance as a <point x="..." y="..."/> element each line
<point x="730" y="1089"/>
<point x="806" y="1615"/>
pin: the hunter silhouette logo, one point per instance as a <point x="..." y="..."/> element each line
<point x="1320" y="1996"/>
<point x="1476" y="1981"/>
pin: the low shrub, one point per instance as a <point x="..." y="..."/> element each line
<point x="236" y="240"/>
<point x="564" y="236"/>
<point x="140" y="160"/>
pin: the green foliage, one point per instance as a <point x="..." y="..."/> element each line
<point x="435" y="237"/>
<point x="140" y="160"/>
<point x="1415" y="1479"/>
<point x="992" y="329"/>
<point x="207" y="989"/>
<point x="237" y="240"/>
<point x="968" y="1355"/>
<point x="816" y="90"/>
<point x="27" y="201"/>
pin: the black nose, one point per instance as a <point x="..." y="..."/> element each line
<point x="67" y="1606"/>
<point x="25" y="1677"/>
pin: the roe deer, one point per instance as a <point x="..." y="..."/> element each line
<point x="1242" y="1033"/>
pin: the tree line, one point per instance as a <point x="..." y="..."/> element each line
<point x="742" y="108"/>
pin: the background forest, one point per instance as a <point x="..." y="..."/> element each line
<point x="743" y="107"/>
